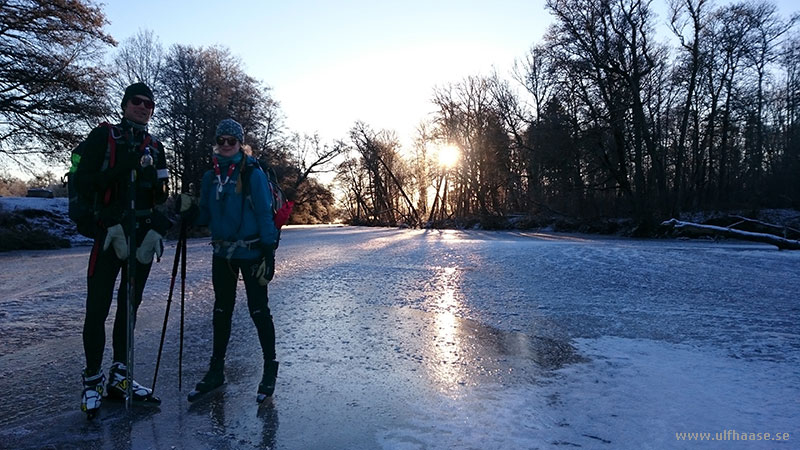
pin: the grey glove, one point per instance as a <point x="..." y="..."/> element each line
<point x="185" y="202"/>
<point x="186" y="206"/>
<point x="265" y="270"/>
<point x="152" y="244"/>
<point x="115" y="236"/>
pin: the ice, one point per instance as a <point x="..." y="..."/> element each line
<point x="424" y="339"/>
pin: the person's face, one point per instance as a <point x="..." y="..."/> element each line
<point x="227" y="145"/>
<point x="139" y="109"/>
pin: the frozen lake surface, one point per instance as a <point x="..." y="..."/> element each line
<point x="413" y="339"/>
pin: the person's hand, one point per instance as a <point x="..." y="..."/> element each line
<point x="186" y="206"/>
<point x="115" y="236"/>
<point x="152" y="245"/>
<point x="266" y="268"/>
<point x="185" y="203"/>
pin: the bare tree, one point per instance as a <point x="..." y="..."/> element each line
<point x="468" y="118"/>
<point x="139" y="58"/>
<point x="387" y="175"/>
<point x="51" y="86"/>
<point x="687" y="14"/>
<point x="314" y="157"/>
<point x="768" y="30"/>
<point x="536" y="72"/>
<point x="202" y="86"/>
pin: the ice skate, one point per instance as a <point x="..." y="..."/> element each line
<point x="267" y="386"/>
<point x="92" y="393"/>
<point x="118" y="387"/>
<point x="214" y="378"/>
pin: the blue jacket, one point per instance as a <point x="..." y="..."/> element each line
<point x="232" y="218"/>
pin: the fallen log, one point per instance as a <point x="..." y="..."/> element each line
<point x="781" y="243"/>
<point x="786" y="231"/>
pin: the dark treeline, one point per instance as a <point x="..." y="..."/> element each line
<point x="55" y="86"/>
<point x="611" y="123"/>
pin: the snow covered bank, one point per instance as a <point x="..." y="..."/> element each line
<point x="36" y="223"/>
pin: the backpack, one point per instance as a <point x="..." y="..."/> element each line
<point x="84" y="211"/>
<point x="281" y="206"/>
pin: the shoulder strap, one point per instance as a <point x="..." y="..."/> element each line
<point x="111" y="156"/>
<point x="247" y="171"/>
<point x="111" y="147"/>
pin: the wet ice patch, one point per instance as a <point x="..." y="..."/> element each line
<point x="630" y="393"/>
<point x="637" y="392"/>
<point x="491" y="417"/>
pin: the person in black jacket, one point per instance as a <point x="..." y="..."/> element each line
<point x="117" y="159"/>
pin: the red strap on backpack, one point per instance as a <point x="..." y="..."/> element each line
<point x="112" y="155"/>
<point x="112" y="158"/>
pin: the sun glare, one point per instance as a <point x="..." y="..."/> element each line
<point x="448" y="156"/>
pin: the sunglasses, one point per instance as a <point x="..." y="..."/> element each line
<point x="229" y="141"/>
<point x="149" y="104"/>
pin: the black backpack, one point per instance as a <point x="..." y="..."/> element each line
<point x="84" y="210"/>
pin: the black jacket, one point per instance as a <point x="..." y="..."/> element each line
<point x="110" y="179"/>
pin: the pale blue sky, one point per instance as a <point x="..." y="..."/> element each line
<point x="331" y="63"/>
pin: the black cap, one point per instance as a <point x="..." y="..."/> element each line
<point x="134" y="90"/>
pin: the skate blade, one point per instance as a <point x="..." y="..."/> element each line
<point x="261" y="396"/>
<point x="150" y="400"/>
<point x="196" y="395"/>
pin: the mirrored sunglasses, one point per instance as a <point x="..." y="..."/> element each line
<point x="149" y="104"/>
<point x="229" y="141"/>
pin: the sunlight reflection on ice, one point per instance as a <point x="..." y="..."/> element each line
<point x="446" y="344"/>
<point x="393" y="237"/>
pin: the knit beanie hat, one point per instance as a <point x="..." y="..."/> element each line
<point x="134" y="90"/>
<point x="230" y="127"/>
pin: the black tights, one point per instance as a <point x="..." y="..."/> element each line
<point x="224" y="276"/>
<point x="104" y="269"/>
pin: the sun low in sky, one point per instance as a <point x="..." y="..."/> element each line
<point x="448" y="156"/>
<point x="330" y="64"/>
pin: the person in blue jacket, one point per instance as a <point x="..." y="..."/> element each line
<point x="244" y="238"/>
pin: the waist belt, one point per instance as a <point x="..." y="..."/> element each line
<point x="231" y="246"/>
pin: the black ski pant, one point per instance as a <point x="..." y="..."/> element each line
<point x="224" y="276"/>
<point x="104" y="267"/>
